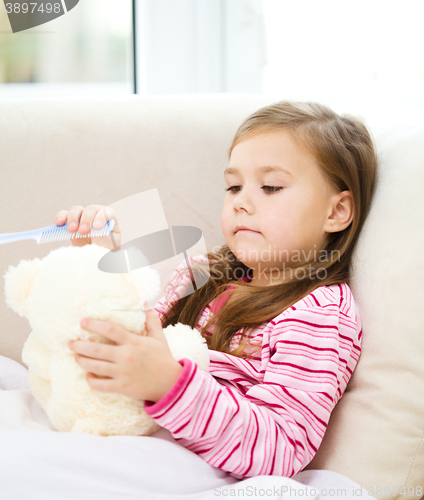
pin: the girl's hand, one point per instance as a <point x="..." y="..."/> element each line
<point x="141" y="367"/>
<point x="83" y="219"/>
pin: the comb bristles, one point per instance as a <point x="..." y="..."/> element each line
<point x="62" y="233"/>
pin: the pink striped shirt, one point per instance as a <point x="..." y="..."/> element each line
<point x="267" y="415"/>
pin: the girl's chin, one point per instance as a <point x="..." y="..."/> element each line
<point x="246" y="259"/>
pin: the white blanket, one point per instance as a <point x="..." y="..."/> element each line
<point x="37" y="462"/>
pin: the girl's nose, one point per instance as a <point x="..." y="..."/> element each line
<point x="243" y="201"/>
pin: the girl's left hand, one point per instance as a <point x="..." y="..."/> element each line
<point x="141" y="367"/>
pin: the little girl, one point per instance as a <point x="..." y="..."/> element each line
<point x="282" y="327"/>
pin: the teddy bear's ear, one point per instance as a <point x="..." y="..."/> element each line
<point x="18" y="284"/>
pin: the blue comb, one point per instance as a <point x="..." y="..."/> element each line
<point x="55" y="233"/>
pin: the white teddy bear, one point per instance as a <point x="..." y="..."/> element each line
<point x="54" y="294"/>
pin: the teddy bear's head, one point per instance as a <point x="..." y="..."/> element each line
<point x="54" y="294"/>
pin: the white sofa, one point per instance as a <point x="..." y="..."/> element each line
<point x="55" y="153"/>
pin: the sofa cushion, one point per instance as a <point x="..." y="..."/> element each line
<point x="375" y="433"/>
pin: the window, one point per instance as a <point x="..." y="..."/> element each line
<point x="206" y="46"/>
<point x="329" y="51"/>
<point x="88" y="50"/>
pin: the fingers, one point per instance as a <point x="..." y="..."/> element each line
<point x="146" y="306"/>
<point x="110" y="214"/>
<point x="100" y="218"/>
<point x="110" y="330"/>
<point x="151" y="314"/>
<point x="84" y="219"/>
<point x="104" y="215"/>
<point x="72" y="218"/>
<point x="61" y="217"/>
<point x="116" y="232"/>
<point x="81" y="219"/>
<point x="94" y="350"/>
<point x="96" y="367"/>
<point x="153" y="323"/>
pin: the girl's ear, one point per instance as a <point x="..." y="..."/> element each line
<point x="18" y="284"/>
<point x="342" y="212"/>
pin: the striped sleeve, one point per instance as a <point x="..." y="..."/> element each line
<point x="276" y="426"/>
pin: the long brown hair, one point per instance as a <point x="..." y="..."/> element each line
<point x="343" y="148"/>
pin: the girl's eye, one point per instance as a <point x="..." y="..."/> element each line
<point x="273" y="189"/>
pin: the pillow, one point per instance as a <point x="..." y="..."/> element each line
<point x="375" y="433"/>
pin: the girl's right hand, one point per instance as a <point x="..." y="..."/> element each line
<point x="84" y="219"/>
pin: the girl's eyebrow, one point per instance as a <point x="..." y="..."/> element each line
<point x="265" y="170"/>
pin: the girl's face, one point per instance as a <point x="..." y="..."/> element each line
<point x="278" y="191"/>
